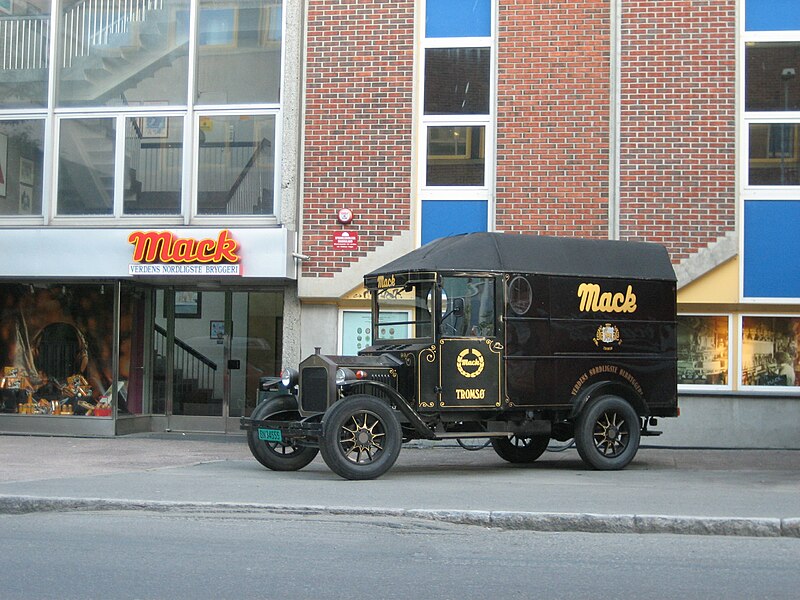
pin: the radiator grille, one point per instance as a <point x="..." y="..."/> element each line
<point x="314" y="389"/>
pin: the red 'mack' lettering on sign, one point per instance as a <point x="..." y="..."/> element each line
<point x="164" y="247"/>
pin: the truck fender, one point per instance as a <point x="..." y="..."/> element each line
<point x="602" y="388"/>
<point x="402" y="405"/>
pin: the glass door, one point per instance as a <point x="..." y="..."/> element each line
<point x="198" y="361"/>
<point x="210" y="349"/>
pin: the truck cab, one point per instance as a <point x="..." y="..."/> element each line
<point x="515" y="339"/>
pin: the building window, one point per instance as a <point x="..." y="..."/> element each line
<point x="21" y="159"/>
<point x="703" y="350"/>
<point x="126" y="138"/>
<point x="456" y="156"/>
<point x="236" y="165"/>
<point x="122" y="54"/>
<point x="153" y="165"/>
<point x="25" y="31"/>
<point x="457" y="81"/>
<point x="239" y="54"/>
<point x="457" y="118"/>
<point x="770" y="166"/>
<point x="769" y="351"/>
<point x="86" y="166"/>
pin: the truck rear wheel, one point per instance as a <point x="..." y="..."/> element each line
<point x="520" y="450"/>
<point x="279" y="456"/>
<point x="362" y="437"/>
<point x="607" y="433"/>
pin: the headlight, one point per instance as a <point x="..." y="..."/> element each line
<point x="289" y="377"/>
<point x="342" y="375"/>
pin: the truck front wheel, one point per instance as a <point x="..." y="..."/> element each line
<point x="278" y="456"/>
<point x="520" y="450"/>
<point x="362" y="437"/>
<point x="607" y="433"/>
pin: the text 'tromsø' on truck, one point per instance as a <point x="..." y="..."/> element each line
<point x="515" y="338"/>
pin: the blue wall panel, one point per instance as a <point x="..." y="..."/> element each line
<point x="772" y="249"/>
<point x="450" y="217"/>
<point x="772" y="15"/>
<point x="458" y="18"/>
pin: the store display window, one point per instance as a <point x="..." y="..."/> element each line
<point x="703" y="350"/>
<point x="769" y="351"/>
<point x="56" y="349"/>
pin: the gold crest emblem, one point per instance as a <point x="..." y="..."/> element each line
<point x="607" y="335"/>
<point x="470" y="363"/>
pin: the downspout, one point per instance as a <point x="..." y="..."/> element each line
<point x="614" y="117"/>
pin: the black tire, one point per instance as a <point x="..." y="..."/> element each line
<point x="362" y="437"/>
<point x="607" y="433"/>
<point x="520" y="450"/>
<point x="279" y="456"/>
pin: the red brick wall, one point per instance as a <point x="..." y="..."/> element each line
<point x="357" y="126"/>
<point x="553" y="115"/>
<point x="678" y="122"/>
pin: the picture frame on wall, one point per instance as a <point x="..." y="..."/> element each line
<point x="217" y="331"/>
<point x="25" y="199"/>
<point x="187" y="304"/>
<point x="25" y="171"/>
<point x="155" y="127"/>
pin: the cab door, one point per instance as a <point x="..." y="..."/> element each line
<point x="470" y="350"/>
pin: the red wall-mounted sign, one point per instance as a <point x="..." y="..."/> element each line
<point x="345" y="240"/>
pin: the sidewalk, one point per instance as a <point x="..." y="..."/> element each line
<point x="717" y="492"/>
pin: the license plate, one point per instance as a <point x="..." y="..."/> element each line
<point x="270" y="435"/>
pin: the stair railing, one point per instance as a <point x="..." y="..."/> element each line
<point x="24" y="42"/>
<point x="90" y="23"/>
<point x="187" y="361"/>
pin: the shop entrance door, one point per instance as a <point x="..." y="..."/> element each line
<point x="210" y="350"/>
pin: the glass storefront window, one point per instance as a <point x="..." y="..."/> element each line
<point x="455" y="156"/>
<point x="123" y="53"/>
<point x="86" y="167"/>
<point x="774" y="154"/>
<point x="21" y="159"/>
<point x="457" y="81"/>
<point x="236" y="171"/>
<point x="703" y="350"/>
<point x="153" y="165"/>
<point x="769" y="351"/>
<point x="56" y="348"/>
<point x="25" y="31"/>
<point x="239" y="52"/>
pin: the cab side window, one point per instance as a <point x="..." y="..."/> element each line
<point x="470" y="309"/>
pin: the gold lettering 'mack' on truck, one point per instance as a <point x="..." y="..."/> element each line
<point x="512" y="338"/>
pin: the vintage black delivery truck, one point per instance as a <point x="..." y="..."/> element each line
<point x="518" y="339"/>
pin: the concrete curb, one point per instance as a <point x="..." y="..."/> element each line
<point x="549" y="522"/>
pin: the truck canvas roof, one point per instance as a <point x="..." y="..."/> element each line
<point x="547" y="255"/>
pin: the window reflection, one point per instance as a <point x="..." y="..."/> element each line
<point x="774" y="154"/>
<point x="25" y="31"/>
<point x="123" y="53"/>
<point x="771" y="72"/>
<point x="456" y="156"/>
<point x="457" y="81"/>
<point x="86" y="167"/>
<point x="239" y="52"/>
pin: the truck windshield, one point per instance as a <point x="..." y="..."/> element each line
<point x="404" y="313"/>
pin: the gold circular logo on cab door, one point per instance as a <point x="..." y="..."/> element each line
<point x="470" y="363"/>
